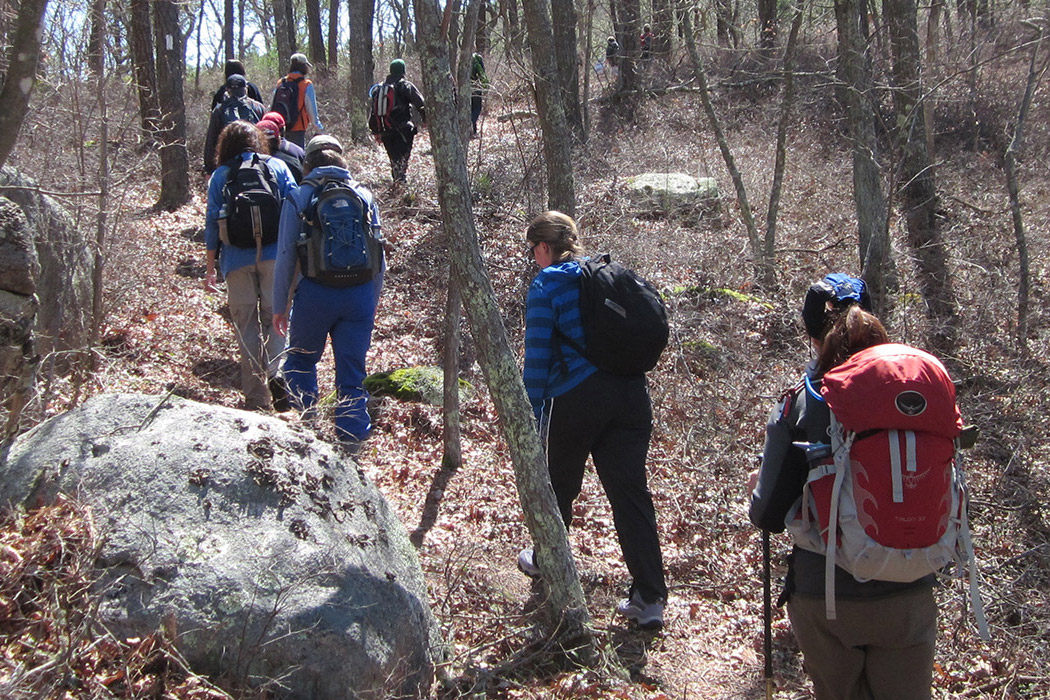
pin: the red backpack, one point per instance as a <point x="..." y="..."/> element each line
<point x="892" y="487"/>
<point x="383" y="101"/>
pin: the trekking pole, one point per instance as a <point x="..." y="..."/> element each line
<point x="767" y="616"/>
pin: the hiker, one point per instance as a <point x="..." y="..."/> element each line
<point x="324" y="307"/>
<point x="234" y="68"/>
<point x="390" y="120"/>
<point x="645" y="41"/>
<point x="294" y="98"/>
<point x="479" y="83"/>
<point x="582" y="410"/>
<point x="246" y="260"/>
<point x="272" y="126"/>
<point x="881" y="643"/>
<point x="612" y="52"/>
<point x="237" y="105"/>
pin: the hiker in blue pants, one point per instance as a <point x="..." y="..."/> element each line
<point x="346" y="314"/>
<point x="583" y="411"/>
<point x="881" y="644"/>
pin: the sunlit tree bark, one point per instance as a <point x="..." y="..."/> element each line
<point x="171" y="62"/>
<point x="22" y="56"/>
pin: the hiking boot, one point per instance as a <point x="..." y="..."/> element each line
<point x="649" y="616"/>
<point x="279" y="394"/>
<point x="527" y="563"/>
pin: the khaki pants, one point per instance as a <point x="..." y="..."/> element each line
<point x="880" y="649"/>
<point x="249" y="291"/>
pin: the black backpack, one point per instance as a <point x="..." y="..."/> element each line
<point x="624" y="319"/>
<point x="286" y="101"/>
<point x="251" y="202"/>
<point x="234" y="108"/>
<point x="338" y="244"/>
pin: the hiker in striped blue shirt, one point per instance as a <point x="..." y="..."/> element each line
<point x="582" y="410"/>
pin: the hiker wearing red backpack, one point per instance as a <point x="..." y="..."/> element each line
<point x="240" y="233"/>
<point x="880" y="643"/>
<point x="390" y="117"/>
<point x="582" y="411"/>
<point x="295" y="100"/>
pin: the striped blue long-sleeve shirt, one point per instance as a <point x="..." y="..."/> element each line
<point x="552" y="366"/>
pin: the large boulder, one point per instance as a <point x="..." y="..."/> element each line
<point x="275" y="557"/>
<point x="671" y="190"/>
<point x="18" y="310"/>
<point x="66" y="262"/>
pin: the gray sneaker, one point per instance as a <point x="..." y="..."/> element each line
<point x="649" y="616"/>
<point x="527" y="563"/>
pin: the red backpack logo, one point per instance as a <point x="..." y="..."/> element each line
<point x="892" y="490"/>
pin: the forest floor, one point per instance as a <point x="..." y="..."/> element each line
<point x="734" y="348"/>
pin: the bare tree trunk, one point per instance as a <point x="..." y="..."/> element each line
<point x="630" y="16"/>
<point x="563" y="19"/>
<point x="452" y="458"/>
<point x="171" y="61"/>
<point x="872" y="223"/>
<point x="588" y="61"/>
<point x="333" y="34"/>
<point x="754" y="242"/>
<point x="918" y="195"/>
<point x="557" y="147"/>
<point x="767" y="24"/>
<point x="464" y="66"/>
<point x="362" y="65"/>
<point x="565" y="607"/>
<point x="97" y="64"/>
<point x="1010" y="166"/>
<point x="20" y="77"/>
<point x="314" y="37"/>
<point x="283" y="32"/>
<point x="512" y="27"/>
<point x="227" y="30"/>
<point x="144" y="67"/>
<point x="787" y="102"/>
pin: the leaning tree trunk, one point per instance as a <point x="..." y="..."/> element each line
<point x="362" y="66"/>
<point x="21" y="73"/>
<point x="873" y="229"/>
<point x="174" y="158"/>
<point x="918" y="195"/>
<point x="557" y="149"/>
<point x="566" y="606"/>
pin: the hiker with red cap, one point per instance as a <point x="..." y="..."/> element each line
<point x="272" y="126"/>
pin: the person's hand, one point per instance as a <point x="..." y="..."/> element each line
<point x="752" y="481"/>
<point x="280" y="324"/>
<point x="210" y="282"/>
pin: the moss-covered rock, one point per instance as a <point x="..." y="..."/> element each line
<point x="419" y="383"/>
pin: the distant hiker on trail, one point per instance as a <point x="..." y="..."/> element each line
<point x="331" y="259"/>
<point x="237" y="105"/>
<point x="243" y="214"/>
<point x="234" y="68"/>
<point x="645" y="42"/>
<point x="479" y="83"/>
<point x="390" y="117"/>
<point x="612" y="52"/>
<point x="881" y="642"/>
<point x="272" y="126"/>
<point x="583" y="410"/>
<point x="295" y="100"/>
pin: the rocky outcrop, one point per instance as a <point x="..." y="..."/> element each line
<point x="275" y="557"/>
<point x="64" y="281"/>
<point x="669" y="190"/>
<point x="18" y="310"/>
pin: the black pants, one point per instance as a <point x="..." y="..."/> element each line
<point x="611" y="419"/>
<point x="398" y="144"/>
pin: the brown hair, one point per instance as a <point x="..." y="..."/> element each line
<point x="323" y="157"/>
<point x="238" y="137"/>
<point x="556" y="230"/>
<point x="850" y="330"/>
